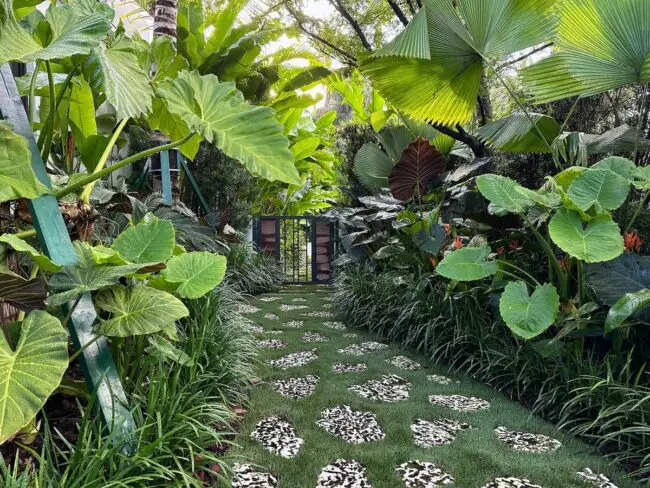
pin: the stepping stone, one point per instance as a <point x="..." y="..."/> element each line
<point x="298" y="300"/>
<point x="526" y="441"/>
<point x="272" y="298"/>
<point x="351" y="335"/>
<point x="510" y="483"/>
<point x="343" y="474"/>
<point x="335" y="325"/>
<point x="277" y="436"/>
<point x="441" y="380"/>
<point x="296" y="388"/>
<point x="327" y="306"/>
<point x="314" y="337"/>
<point x="436" y="433"/>
<point x="403" y="362"/>
<point x="293" y="324"/>
<point x="353" y="426"/>
<point x="272" y="344"/>
<point x="594" y="479"/>
<point x="348" y="368"/>
<point x="460" y="403"/>
<point x="390" y="388"/>
<point x="245" y="476"/>
<point x="290" y="308"/>
<point x="423" y="474"/>
<point x="363" y="348"/>
<point x="322" y="314"/>
<point x="329" y="299"/>
<point x="246" y="308"/>
<point x="294" y="359"/>
<point x="271" y="316"/>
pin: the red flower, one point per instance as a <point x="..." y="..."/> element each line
<point x="458" y="243"/>
<point x="501" y="250"/>
<point x="633" y="242"/>
<point x="434" y="263"/>
<point x="514" y="245"/>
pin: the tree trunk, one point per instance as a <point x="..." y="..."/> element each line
<point x="165" y="13"/>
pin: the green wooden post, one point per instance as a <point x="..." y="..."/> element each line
<point x="165" y="178"/>
<point x="96" y="360"/>
<point x="193" y="183"/>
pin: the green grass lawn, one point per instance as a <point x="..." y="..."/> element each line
<point x="475" y="457"/>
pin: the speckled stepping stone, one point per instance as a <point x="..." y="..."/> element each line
<point x="246" y="308"/>
<point x="271" y="316"/>
<point x="321" y="313"/>
<point x="510" y="483"/>
<point x="423" y="474"/>
<point x="353" y="426"/>
<point x="595" y="479"/>
<point x="245" y="476"/>
<point x="460" y="403"/>
<point x="277" y="436"/>
<point x="292" y="324"/>
<point x="363" y="348"/>
<point x="526" y="441"/>
<point x="298" y="300"/>
<point x="272" y="344"/>
<point x="335" y="325"/>
<point x="343" y="474"/>
<point x="348" y="368"/>
<point x="290" y="308"/>
<point x="405" y="363"/>
<point x="272" y="298"/>
<point x="390" y="388"/>
<point x="437" y="432"/>
<point x="294" y="359"/>
<point x="314" y="337"/>
<point x="441" y="380"/>
<point x="296" y="388"/>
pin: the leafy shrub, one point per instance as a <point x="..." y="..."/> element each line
<point x="252" y="272"/>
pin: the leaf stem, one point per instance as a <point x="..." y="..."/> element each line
<point x="642" y="203"/>
<point x="32" y="89"/>
<point x="49" y="131"/>
<point x="525" y="273"/>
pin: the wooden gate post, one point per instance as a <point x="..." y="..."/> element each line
<point x="96" y="360"/>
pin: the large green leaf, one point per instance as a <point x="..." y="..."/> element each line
<point x="138" y="310"/>
<point x="504" y="194"/>
<point x="45" y="263"/>
<point x="17" y="179"/>
<point x="467" y="264"/>
<point x="516" y="133"/>
<point x="150" y="241"/>
<point x="163" y="349"/>
<point x="529" y="316"/>
<point x="82" y="110"/>
<point x="244" y="132"/>
<point x="419" y="164"/>
<point x="69" y="31"/>
<point x="197" y="273"/>
<point x="599" y="45"/>
<point x="161" y="119"/>
<point x="432" y="70"/>
<point x="592" y="242"/>
<point x="31" y="371"/>
<point x="600" y="188"/>
<point x="307" y="77"/>
<point x="629" y="304"/>
<point x="25" y="295"/>
<point x="372" y="166"/>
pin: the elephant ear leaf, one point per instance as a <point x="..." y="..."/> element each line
<point x="628" y="305"/>
<point x="163" y="349"/>
<point x="31" y="371"/>
<point x="529" y="315"/>
<point x="219" y="113"/>
<point x="152" y="240"/>
<point x="372" y="166"/>
<point x="25" y="295"/>
<point x="467" y="264"/>
<point x="600" y="188"/>
<point x="430" y="240"/>
<point x="196" y="273"/>
<point x="419" y="163"/>
<point x="503" y="194"/>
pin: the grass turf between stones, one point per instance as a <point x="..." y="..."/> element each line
<point x="475" y="457"/>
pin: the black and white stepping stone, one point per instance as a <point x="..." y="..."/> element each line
<point x="323" y="314"/>
<point x="246" y="308"/>
<point x="292" y="324"/>
<point x="595" y="479"/>
<point x="299" y="300"/>
<point x="272" y="298"/>
<point x="526" y="441"/>
<point x="351" y="335"/>
<point x="460" y="403"/>
<point x="294" y="359"/>
<point x="290" y="308"/>
<point x="441" y="380"/>
<point x="277" y="436"/>
<point x="349" y="368"/>
<point x="343" y="474"/>
<point x="271" y="316"/>
<point x="314" y="337"/>
<point x="272" y="344"/>
<point x="363" y="348"/>
<point x="403" y="362"/>
<point x="245" y="476"/>
<point x="335" y="325"/>
<point x="423" y="474"/>
<point x="353" y="426"/>
<point x="437" y="432"/>
<point x="390" y="388"/>
<point x="296" y="388"/>
<point x="510" y="483"/>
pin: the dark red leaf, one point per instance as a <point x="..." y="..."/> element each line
<point x="419" y="163"/>
<point x="25" y="295"/>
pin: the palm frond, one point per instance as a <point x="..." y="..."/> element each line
<point x="516" y="134"/>
<point x="372" y="166"/>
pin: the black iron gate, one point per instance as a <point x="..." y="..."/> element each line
<point x="303" y="246"/>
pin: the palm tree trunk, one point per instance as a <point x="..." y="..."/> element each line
<point x="165" y="13"/>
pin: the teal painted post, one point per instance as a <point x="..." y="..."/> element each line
<point x="96" y="360"/>
<point x="193" y="183"/>
<point x="166" y="178"/>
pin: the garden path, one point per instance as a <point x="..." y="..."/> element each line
<point x="335" y="408"/>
